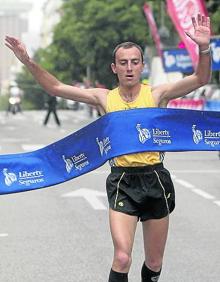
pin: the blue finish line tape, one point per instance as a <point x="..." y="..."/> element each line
<point x="115" y="134"/>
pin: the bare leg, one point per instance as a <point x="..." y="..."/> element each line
<point x="123" y="229"/>
<point x="155" y="235"/>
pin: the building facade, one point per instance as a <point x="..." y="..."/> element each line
<point x="13" y="21"/>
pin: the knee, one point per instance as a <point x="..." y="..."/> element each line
<point x="154" y="264"/>
<point x="122" y="261"/>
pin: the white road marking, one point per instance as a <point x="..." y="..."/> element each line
<point x="91" y="196"/>
<point x="32" y="147"/>
<point x="203" y="194"/>
<point x="11" y="128"/>
<point x="217" y="203"/>
<point x="184" y="183"/>
<point x="3" y="234"/>
<point x="197" y="191"/>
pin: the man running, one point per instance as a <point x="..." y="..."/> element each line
<point x="139" y="187"/>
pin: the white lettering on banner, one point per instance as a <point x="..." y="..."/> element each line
<point x="212" y="143"/>
<point x="28" y="182"/>
<point x="157" y="132"/>
<point x="183" y="61"/>
<point x="24" y="177"/>
<point x="79" y="162"/>
<point x="104" y="145"/>
<point x="209" y="133"/>
<point x="210" y="137"/>
<point x="32" y="174"/>
<point x="161" y="137"/>
<point x="170" y="60"/>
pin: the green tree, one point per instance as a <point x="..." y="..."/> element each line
<point x="85" y="37"/>
<point x="88" y="32"/>
<point x="34" y="95"/>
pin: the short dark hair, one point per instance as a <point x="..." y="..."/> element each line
<point x="127" y="45"/>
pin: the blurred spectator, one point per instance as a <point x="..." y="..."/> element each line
<point x="14" y="101"/>
<point x="52" y="106"/>
<point x="99" y="85"/>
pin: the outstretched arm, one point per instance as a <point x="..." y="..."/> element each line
<point x="51" y="84"/>
<point x="202" y="74"/>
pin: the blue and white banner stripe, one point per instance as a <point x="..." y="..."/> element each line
<point x="117" y="133"/>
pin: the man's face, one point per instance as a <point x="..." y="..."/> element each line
<point x="128" y="66"/>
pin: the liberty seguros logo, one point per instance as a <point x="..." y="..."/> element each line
<point x="143" y="133"/>
<point x="10" y="177"/>
<point x="104" y="145"/>
<point x="159" y="136"/>
<point x="77" y="162"/>
<point x="197" y="135"/>
<point x="210" y="137"/>
<point x="23" y="177"/>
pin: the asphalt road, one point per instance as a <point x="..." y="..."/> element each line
<point x="61" y="234"/>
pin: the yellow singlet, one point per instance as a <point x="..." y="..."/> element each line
<point x="143" y="100"/>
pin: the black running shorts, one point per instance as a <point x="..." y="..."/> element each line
<point x="146" y="192"/>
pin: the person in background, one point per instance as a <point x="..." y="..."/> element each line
<point x="52" y="109"/>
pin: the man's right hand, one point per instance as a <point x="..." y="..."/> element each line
<point x="18" y="48"/>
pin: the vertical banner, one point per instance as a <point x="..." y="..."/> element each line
<point x="153" y="27"/>
<point x="181" y="12"/>
<point x="215" y="46"/>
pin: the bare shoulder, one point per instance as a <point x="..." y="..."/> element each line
<point x="99" y="91"/>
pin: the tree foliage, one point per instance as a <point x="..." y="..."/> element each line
<point x="89" y="31"/>
<point x="34" y="95"/>
<point x="86" y="35"/>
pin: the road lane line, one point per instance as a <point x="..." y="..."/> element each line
<point x="184" y="183"/>
<point x="3" y="234"/>
<point x="197" y="191"/>
<point x="217" y="203"/>
<point x="203" y="194"/>
<point x="91" y="196"/>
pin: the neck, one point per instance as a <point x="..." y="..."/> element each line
<point x="129" y="94"/>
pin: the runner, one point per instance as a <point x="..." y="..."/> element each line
<point x="139" y="187"/>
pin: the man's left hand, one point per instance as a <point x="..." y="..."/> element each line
<point x="202" y="30"/>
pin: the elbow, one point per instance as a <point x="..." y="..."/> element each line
<point x="201" y="81"/>
<point x="54" y="91"/>
<point x="205" y="81"/>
